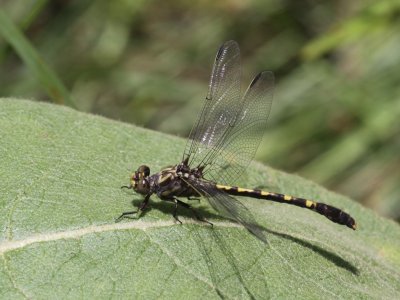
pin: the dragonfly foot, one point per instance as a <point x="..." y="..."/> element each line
<point x="126" y="215"/>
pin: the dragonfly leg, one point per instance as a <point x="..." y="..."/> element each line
<point x="125" y="215"/>
<point x="141" y="208"/>
<point x="175" y="213"/>
<point x="187" y="206"/>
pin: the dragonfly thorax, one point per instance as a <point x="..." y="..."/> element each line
<point x="184" y="170"/>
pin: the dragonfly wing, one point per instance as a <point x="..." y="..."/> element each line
<point x="229" y="207"/>
<point x="229" y="161"/>
<point x="226" y="136"/>
<point x="220" y="108"/>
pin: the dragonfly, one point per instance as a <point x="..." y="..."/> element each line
<point x="221" y="144"/>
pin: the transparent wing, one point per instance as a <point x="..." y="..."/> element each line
<point x="228" y="207"/>
<point x="229" y="129"/>
<point x="220" y="108"/>
<point x="238" y="145"/>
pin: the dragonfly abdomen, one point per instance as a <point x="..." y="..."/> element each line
<point x="332" y="213"/>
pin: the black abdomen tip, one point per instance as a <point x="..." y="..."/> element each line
<point x="336" y="215"/>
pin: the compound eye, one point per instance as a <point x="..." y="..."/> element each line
<point x="145" y="170"/>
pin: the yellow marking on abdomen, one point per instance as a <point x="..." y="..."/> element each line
<point x="310" y="204"/>
<point x="242" y="190"/>
<point x="228" y="188"/>
<point x="263" y="193"/>
<point x="287" y="198"/>
<point x="223" y="187"/>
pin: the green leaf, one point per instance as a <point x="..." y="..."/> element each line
<point x="61" y="172"/>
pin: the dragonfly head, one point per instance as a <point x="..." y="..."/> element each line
<point x="139" y="180"/>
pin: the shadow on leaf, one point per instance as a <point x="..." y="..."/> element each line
<point x="334" y="258"/>
<point x="168" y="209"/>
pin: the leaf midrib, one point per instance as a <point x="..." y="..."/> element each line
<point x="11" y="245"/>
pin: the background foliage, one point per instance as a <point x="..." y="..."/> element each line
<point x="336" y="110"/>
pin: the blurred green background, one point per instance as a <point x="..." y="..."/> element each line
<point x="336" y="111"/>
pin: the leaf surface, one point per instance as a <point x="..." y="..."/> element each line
<point x="60" y="178"/>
